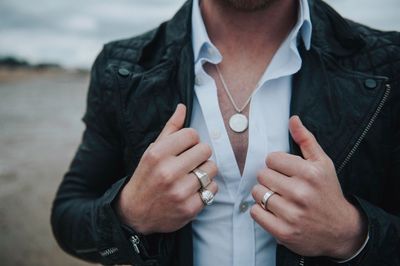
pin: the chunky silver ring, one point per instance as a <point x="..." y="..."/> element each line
<point x="202" y="177"/>
<point x="206" y="196"/>
<point x="265" y="198"/>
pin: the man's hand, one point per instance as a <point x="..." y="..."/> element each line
<point x="308" y="214"/>
<point x="162" y="195"/>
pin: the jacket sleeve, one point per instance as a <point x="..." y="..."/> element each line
<point x="83" y="221"/>
<point x="383" y="247"/>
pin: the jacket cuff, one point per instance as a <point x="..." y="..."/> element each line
<point x="356" y="254"/>
<point x="361" y="253"/>
<point x="115" y="242"/>
<point x="380" y="231"/>
<point x="111" y="244"/>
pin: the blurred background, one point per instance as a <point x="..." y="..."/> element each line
<point x="46" y="49"/>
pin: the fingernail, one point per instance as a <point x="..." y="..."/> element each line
<point x="177" y="106"/>
<point x="298" y="117"/>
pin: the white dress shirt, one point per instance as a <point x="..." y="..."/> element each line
<point x="224" y="233"/>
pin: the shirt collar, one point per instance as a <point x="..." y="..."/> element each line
<point x="200" y="40"/>
<point x="304" y="22"/>
<point x="202" y="44"/>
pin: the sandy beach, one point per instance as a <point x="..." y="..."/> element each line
<point x="40" y="128"/>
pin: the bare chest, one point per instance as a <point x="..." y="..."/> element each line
<point x="240" y="91"/>
<point x="239" y="141"/>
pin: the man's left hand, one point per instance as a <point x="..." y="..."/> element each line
<point x="308" y="212"/>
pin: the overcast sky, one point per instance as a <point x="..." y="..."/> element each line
<point x="71" y="32"/>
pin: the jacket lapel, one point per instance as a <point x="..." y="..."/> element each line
<point x="335" y="102"/>
<point x="185" y="80"/>
<point x="161" y="78"/>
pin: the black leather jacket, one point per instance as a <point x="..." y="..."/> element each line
<point x="347" y="93"/>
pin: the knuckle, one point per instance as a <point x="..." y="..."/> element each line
<point x="261" y="175"/>
<point x="313" y="176"/>
<point x="166" y="176"/>
<point x="192" y="135"/>
<point x="287" y="236"/>
<point x="151" y="156"/>
<point x="177" y="196"/>
<point x="213" y="169"/>
<point x="301" y="194"/>
<point x="270" y="159"/>
<point x="253" y="212"/>
<point x="189" y="212"/>
<point x="254" y="191"/>
<point x="284" y="237"/>
<point x="296" y="233"/>
<point x="214" y="187"/>
<point x="329" y="163"/>
<point x="273" y="157"/>
<point x="311" y="139"/>
<point x="205" y="149"/>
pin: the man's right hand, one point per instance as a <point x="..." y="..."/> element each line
<point x="162" y="195"/>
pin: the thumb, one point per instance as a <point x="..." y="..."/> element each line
<point x="305" y="139"/>
<point x="175" y="122"/>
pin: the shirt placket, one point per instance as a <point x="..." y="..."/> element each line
<point x="207" y="96"/>
<point x="238" y="187"/>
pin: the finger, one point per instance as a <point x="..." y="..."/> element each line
<point x="277" y="182"/>
<point x="286" y="164"/>
<point x="278" y="205"/>
<point x="193" y="183"/>
<point x="175" y="122"/>
<point x="271" y="223"/>
<point x="177" y="142"/>
<point x="196" y="201"/>
<point x="213" y="187"/>
<point x="193" y="157"/>
<point x="305" y="139"/>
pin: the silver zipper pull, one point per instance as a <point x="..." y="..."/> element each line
<point x="135" y="242"/>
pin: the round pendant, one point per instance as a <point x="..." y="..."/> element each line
<point x="238" y="123"/>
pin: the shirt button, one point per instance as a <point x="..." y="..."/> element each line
<point x="215" y="134"/>
<point x="198" y="81"/>
<point x="244" y="205"/>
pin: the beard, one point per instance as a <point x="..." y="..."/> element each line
<point x="248" y="5"/>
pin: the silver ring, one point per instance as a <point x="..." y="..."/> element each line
<point x="206" y="196"/>
<point x="265" y="198"/>
<point x="202" y="177"/>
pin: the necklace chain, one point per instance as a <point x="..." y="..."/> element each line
<point x="239" y="110"/>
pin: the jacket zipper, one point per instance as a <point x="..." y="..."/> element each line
<point x="362" y="136"/>
<point x="135" y="243"/>
<point x="301" y="262"/>
<point x="367" y="128"/>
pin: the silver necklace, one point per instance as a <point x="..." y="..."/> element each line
<point x="237" y="122"/>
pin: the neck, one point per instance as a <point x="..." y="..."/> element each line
<point x="249" y="32"/>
